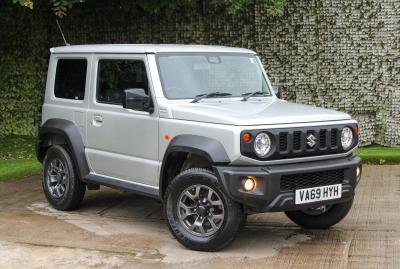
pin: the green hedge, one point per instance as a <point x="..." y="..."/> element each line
<point x="23" y="63"/>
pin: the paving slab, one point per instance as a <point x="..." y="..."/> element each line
<point x="115" y="229"/>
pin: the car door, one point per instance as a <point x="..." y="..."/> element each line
<point x="121" y="143"/>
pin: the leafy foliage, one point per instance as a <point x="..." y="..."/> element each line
<point x="61" y="7"/>
<point x="272" y="7"/>
<point x="25" y="3"/>
<point x="23" y="63"/>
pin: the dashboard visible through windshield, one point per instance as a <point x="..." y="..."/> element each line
<point x="188" y="75"/>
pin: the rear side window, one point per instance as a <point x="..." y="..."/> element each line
<point x="70" y="79"/>
<point x="115" y="76"/>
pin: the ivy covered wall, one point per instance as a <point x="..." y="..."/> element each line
<point x="339" y="54"/>
<point x="23" y="63"/>
<point x="331" y="53"/>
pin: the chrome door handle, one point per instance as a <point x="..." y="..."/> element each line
<point x="97" y="120"/>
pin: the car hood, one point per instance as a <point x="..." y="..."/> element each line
<point x="273" y="111"/>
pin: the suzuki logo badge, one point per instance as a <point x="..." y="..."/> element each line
<point x="311" y="140"/>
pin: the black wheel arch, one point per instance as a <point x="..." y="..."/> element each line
<point x="67" y="132"/>
<point x="209" y="148"/>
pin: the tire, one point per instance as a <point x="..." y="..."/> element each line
<point x="61" y="185"/>
<point x="226" y="214"/>
<point x="324" y="220"/>
<point x="243" y="222"/>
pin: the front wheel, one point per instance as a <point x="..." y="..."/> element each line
<point x="199" y="214"/>
<point x="321" y="217"/>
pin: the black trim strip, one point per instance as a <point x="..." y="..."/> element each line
<point x="123" y="184"/>
<point x="207" y="147"/>
<point x="70" y="132"/>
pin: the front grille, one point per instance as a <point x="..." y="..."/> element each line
<point x="295" y="143"/>
<point x="308" y="180"/>
<point x="334" y="138"/>
<point x="283" y="141"/>
<point x="322" y="139"/>
<point x="298" y="142"/>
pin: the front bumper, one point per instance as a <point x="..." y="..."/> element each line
<point x="270" y="196"/>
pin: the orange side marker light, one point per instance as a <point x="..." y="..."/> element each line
<point x="167" y="138"/>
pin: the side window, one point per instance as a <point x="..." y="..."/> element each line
<point x="70" y="79"/>
<point x="115" y="76"/>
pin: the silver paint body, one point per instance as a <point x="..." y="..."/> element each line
<point x="127" y="145"/>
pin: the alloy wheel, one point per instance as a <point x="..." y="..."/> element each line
<point x="56" y="178"/>
<point x="200" y="210"/>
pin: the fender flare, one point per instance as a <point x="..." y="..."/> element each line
<point x="70" y="133"/>
<point x="209" y="148"/>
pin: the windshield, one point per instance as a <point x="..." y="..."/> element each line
<point x="185" y="76"/>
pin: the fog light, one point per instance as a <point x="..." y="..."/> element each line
<point x="358" y="171"/>
<point x="249" y="184"/>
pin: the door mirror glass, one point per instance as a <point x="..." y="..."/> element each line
<point x="137" y="99"/>
<point x="277" y="90"/>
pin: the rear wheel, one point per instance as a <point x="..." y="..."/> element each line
<point x="321" y="217"/>
<point x="199" y="214"/>
<point x="61" y="185"/>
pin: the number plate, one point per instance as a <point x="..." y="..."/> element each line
<point x="317" y="194"/>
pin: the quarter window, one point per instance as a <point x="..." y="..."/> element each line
<point x="115" y="76"/>
<point x="70" y="79"/>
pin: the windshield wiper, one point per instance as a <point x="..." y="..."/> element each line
<point x="208" y="95"/>
<point x="247" y="95"/>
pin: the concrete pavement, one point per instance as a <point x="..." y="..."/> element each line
<point x="115" y="229"/>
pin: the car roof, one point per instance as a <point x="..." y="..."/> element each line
<point x="146" y="48"/>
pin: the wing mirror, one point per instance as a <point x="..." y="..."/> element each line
<point x="137" y="99"/>
<point x="277" y="90"/>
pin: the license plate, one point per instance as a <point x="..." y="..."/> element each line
<point x="317" y="194"/>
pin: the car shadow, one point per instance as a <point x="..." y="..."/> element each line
<point x="268" y="234"/>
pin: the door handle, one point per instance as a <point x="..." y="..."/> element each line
<point x="97" y="120"/>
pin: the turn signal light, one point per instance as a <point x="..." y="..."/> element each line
<point x="249" y="184"/>
<point x="246" y="137"/>
<point x="356" y="130"/>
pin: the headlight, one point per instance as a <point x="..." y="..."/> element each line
<point x="347" y="138"/>
<point x="262" y="144"/>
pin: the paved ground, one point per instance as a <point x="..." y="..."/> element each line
<point x="120" y="230"/>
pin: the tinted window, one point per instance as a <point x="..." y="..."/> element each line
<point x="115" y="76"/>
<point x="70" y="79"/>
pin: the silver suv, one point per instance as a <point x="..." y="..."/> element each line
<point x="198" y="127"/>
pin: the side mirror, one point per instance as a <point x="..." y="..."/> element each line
<point x="137" y="99"/>
<point x="277" y="90"/>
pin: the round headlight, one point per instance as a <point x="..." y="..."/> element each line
<point x="347" y="138"/>
<point x="262" y="144"/>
